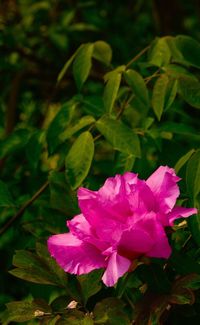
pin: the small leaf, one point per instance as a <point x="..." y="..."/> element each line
<point x="189" y="48"/>
<point x="67" y="65"/>
<point x="90" y="284"/>
<point x="23" y="311"/>
<point x="159" y="95"/>
<point x="171" y="92"/>
<point x="82" y="64"/>
<point x="159" y="53"/>
<point x="183" y="160"/>
<point x="75" y="317"/>
<point x="189" y="90"/>
<point x="191" y="281"/>
<point x="102" y="52"/>
<point x="59" y="124"/>
<point x="33" y="268"/>
<point x="82" y="123"/>
<point x="79" y="159"/>
<point x="183" y="296"/>
<point x="6" y="199"/>
<point x="137" y="84"/>
<point x="111" y="90"/>
<point x="120" y="136"/>
<point x="110" y="311"/>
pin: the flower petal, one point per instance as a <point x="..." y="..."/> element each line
<point x="73" y="255"/>
<point x="117" y="267"/>
<point x="161" y="247"/>
<point x="180" y="212"/>
<point x="163" y="185"/>
<point x="79" y="227"/>
<point x="134" y="242"/>
<point x="100" y="215"/>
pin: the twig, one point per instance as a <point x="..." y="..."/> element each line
<point x="23" y="208"/>
<point x="138" y="56"/>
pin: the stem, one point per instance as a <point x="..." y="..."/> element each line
<point x="138" y="56"/>
<point x="23" y="208"/>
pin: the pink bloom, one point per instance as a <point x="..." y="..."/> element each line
<point x="123" y="220"/>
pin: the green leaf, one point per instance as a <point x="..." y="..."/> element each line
<point x="189" y="90"/>
<point x="82" y="123"/>
<point x="120" y="136"/>
<point x="159" y="53"/>
<point x="183" y="160"/>
<point x="159" y="95"/>
<point x="193" y="175"/>
<point x="90" y="284"/>
<point x="171" y="92"/>
<point x="110" y="311"/>
<point x="75" y="317"/>
<point x="182" y="296"/>
<point x="189" y="48"/>
<point x="23" y="311"/>
<point x="190" y="281"/>
<point x="67" y="65"/>
<point x="82" y="64"/>
<point x="137" y="84"/>
<point x="6" y="199"/>
<point x="184" y="130"/>
<point x="111" y="90"/>
<point x="102" y="52"/>
<point x="59" y="124"/>
<point x="79" y="159"/>
<point x="34" y="268"/>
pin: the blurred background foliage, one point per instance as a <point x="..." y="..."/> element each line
<point x="41" y="118"/>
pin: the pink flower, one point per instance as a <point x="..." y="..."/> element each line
<point x="122" y="221"/>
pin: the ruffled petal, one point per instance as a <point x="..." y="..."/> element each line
<point x="79" y="227"/>
<point x="117" y="267"/>
<point x="73" y="255"/>
<point x="180" y="212"/>
<point x="163" y="185"/>
<point x="101" y="215"/>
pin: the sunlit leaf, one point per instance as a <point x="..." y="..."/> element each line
<point x="120" y="136"/>
<point x="111" y="90"/>
<point x="79" y="159"/>
<point x="137" y="84"/>
<point x="183" y="160"/>
<point x="102" y="52"/>
<point x="159" y="53"/>
<point x="82" y="64"/>
<point x="189" y="90"/>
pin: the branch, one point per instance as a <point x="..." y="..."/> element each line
<point x="138" y="56"/>
<point x="23" y="208"/>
